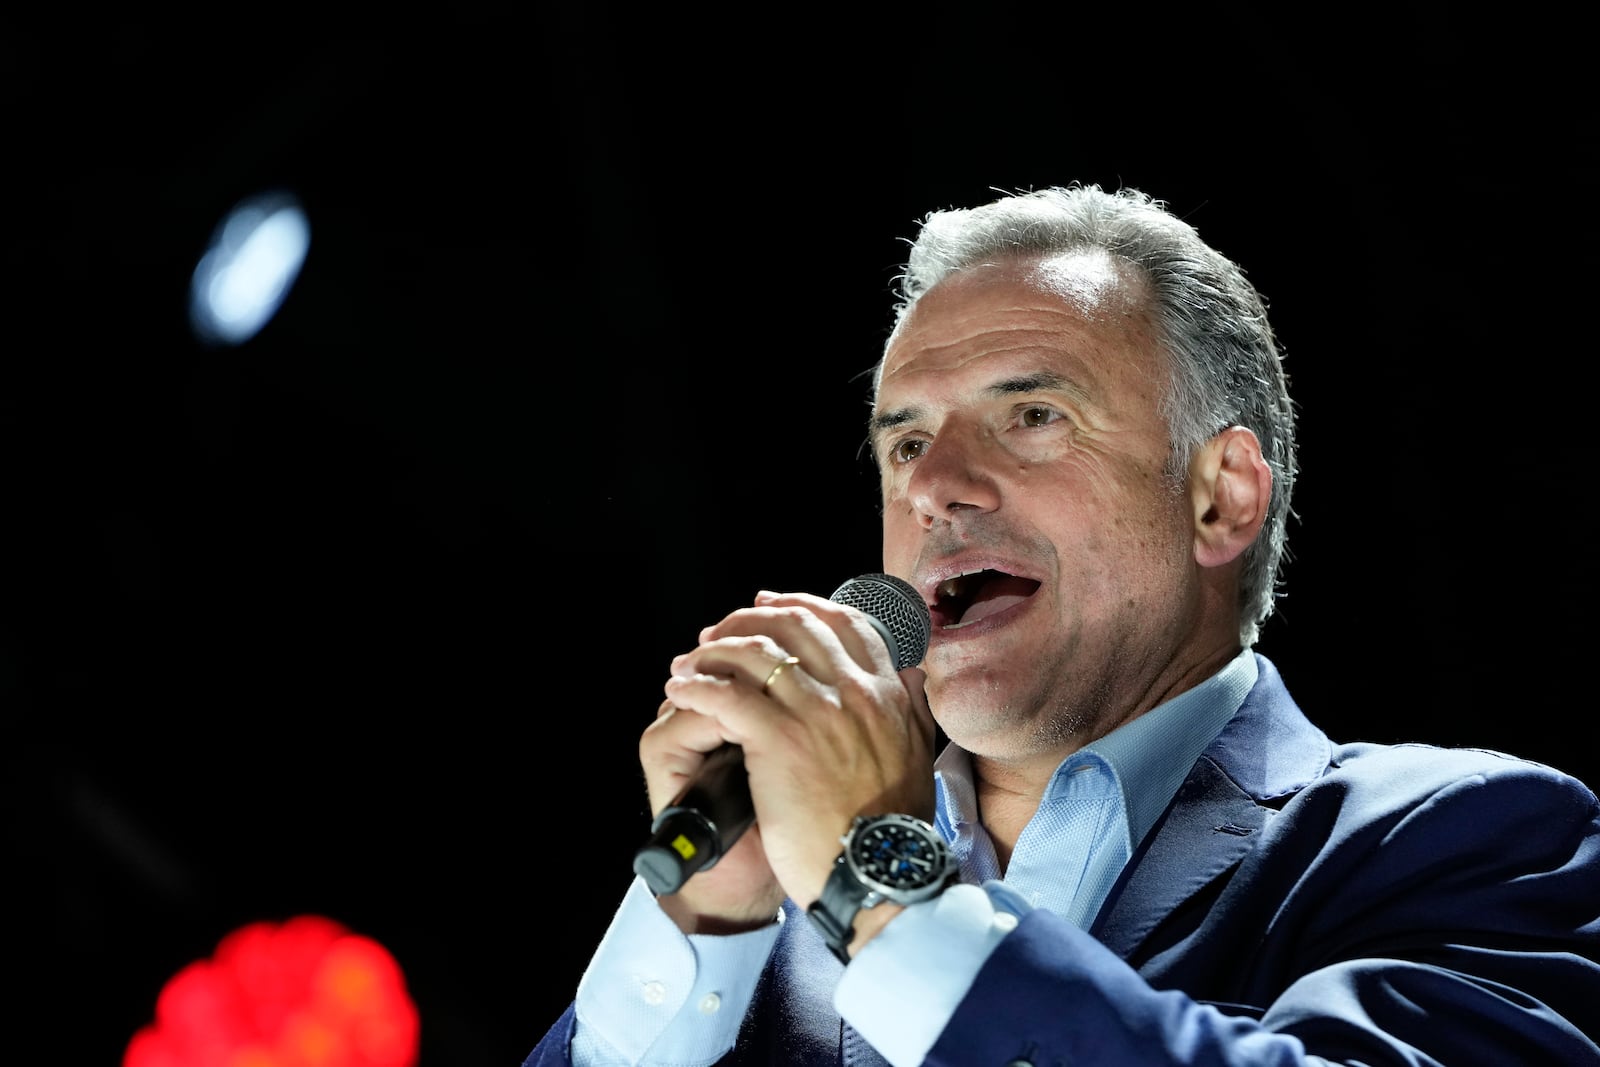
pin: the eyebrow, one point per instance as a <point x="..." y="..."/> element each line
<point x="1037" y="382"/>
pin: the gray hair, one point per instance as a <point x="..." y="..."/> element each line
<point x="1225" y="363"/>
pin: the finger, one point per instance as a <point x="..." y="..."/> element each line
<point x="675" y="744"/>
<point x="852" y="627"/>
<point x="831" y="639"/>
<point x="785" y="664"/>
<point x="750" y="713"/>
<point x="915" y="681"/>
<point x="747" y="659"/>
<point x="680" y="728"/>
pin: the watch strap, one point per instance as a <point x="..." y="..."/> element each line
<point x="834" y="912"/>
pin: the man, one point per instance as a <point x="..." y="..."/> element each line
<point x="1087" y="450"/>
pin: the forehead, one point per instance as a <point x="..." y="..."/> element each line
<point x="1082" y="315"/>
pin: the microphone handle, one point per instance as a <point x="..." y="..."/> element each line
<point x="700" y="824"/>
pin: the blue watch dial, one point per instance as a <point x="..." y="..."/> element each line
<point x="899" y="854"/>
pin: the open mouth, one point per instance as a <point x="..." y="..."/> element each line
<point x="968" y="598"/>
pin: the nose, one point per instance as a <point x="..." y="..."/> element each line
<point x="952" y="476"/>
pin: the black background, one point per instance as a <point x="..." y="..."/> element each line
<point x="363" y="617"/>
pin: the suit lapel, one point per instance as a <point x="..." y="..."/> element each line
<point x="1268" y="751"/>
<point x="1207" y="830"/>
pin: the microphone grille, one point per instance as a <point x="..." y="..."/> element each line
<point x="898" y="610"/>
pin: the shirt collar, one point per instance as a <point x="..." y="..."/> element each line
<point x="1149" y="756"/>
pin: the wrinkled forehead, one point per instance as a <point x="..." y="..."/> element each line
<point x="1095" y="285"/>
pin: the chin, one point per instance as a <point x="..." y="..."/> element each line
<point x="962" y="700"/>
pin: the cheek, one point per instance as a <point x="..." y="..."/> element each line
<point x="1154" y="547"/>
<point x="1147" y="505"/>
<point x="1131" y="527"/>
<point x="1149" y="532"/>
<point x="901" y="534"/>
<point x="891" y="494"/>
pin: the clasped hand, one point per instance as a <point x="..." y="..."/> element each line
<point x="837" y="733"/>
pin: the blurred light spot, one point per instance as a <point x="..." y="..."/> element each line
<point x="304" y="993"/>
<point x="246" y="272"/>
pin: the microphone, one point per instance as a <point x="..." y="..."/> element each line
<point x="715" y="809"/>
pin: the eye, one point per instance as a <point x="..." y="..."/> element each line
<point x="1035" y="415"/>
<point x="907" y="449"/>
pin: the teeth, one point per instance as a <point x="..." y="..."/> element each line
<point x="949" y="586"/>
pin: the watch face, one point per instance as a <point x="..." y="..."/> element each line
<point x="898" y="854"/>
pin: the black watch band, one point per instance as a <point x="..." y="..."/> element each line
<point x="834" y="912"/>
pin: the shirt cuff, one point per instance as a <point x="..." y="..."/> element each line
<point x="900" y="990"/>
<point x="649" y="988"/>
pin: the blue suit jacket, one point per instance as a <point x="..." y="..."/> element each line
<point x="1356" y="903"/>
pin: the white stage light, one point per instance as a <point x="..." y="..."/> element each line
<point x="253" y="260"/>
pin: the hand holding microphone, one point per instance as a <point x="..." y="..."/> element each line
<point x="711" y="813"/>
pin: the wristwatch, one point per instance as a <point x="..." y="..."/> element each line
<point x="896" y="858"/>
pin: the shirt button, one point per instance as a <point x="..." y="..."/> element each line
<point x="1006" y="921"/>
<point x="710" y="1003"/>
<point x="654" y="993"/>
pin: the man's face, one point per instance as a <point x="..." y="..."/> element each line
<point x="1018" y="435"/>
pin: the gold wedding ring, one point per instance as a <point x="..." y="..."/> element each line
<point x="779" y="669"/>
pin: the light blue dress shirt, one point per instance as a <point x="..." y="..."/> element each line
<point x="652" y="995"/>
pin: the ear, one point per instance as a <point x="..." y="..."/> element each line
<point x="1229" y="486"/>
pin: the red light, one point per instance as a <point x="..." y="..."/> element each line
<point x="304" y="993"/>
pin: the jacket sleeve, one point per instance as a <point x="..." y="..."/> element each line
<point x="1424" y="907"/>
<point x="555" y="1048"/>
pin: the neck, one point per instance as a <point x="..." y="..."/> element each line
<point x="1006" y="801"/>
<point x="1008" y="790"/>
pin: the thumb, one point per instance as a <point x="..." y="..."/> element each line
<point x="915" y="680"/>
